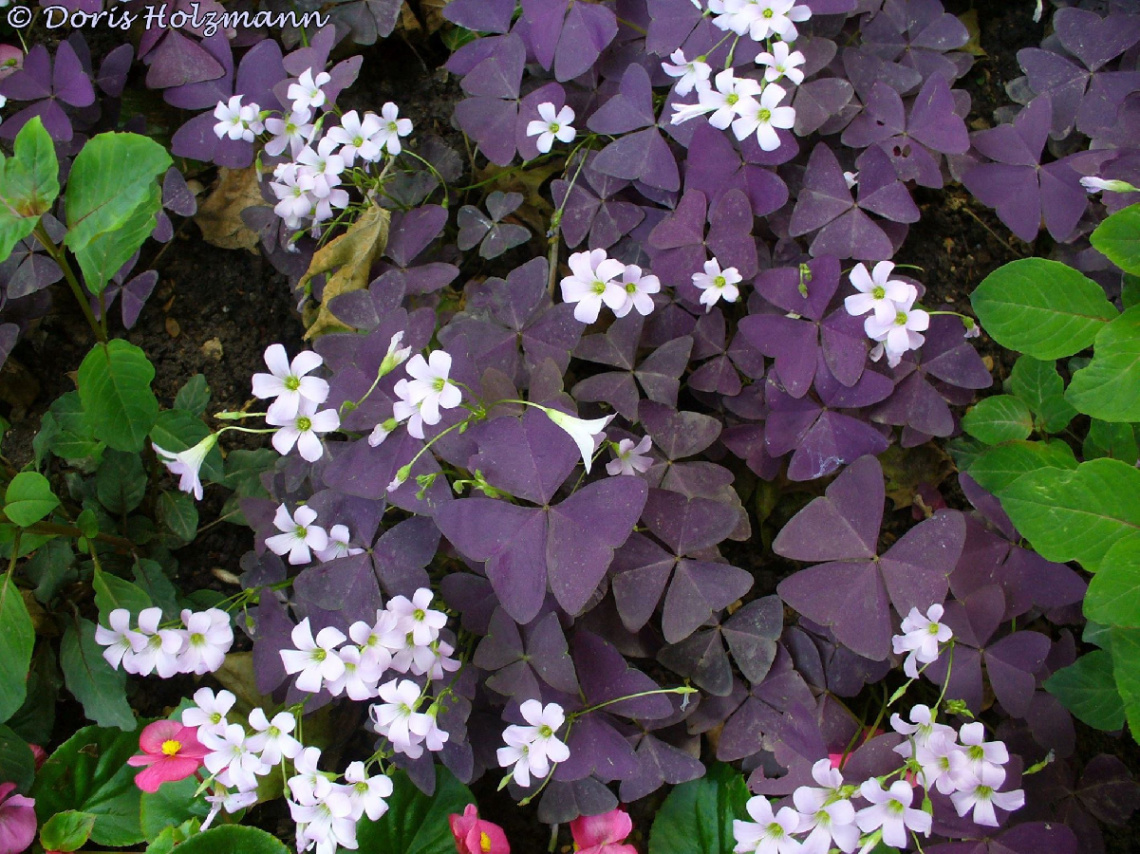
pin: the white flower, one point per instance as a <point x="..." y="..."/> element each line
<point x="306" y="93"/>
<point x="358" y="137"/>
<point x="441" y="662"/>
<point x="392" y="128"/>
<point x="373" y="640"/>
<point x="878" y="292"/>
<point x="209" y="710"/>
<point x="294" y="202"/>
<point x="891" y="811"/>
<point x="416" y="618"/>
<point x="781" y="62"/>
<point x="230" y="801"/>
<point x="766" y="833"/>
<point x="582" y="430"/>
<point x="397" y="719"/>
<point x="338" y="546"/>
<point x="982" y="797"/>
<point x="688" y="74"/>
<point x="309" y="784"/>
<point x="531" y="749"/>
<point x="361" y="675"/>
<point x="287" y="381"/>
<point x="763" y="117"/>
<point x="367" y="794"/>
<point x="154" y="649"/>
<point x="935" y="760"/>
<point x="920" y="638"/>
<point x="429" y="391"/>
<point x="1038" y="10"/>
<point x="382" y="431"/>
<point x="592" y="284"/>
<point x="325" y="822"/>
<point x="760" y="19"/>
<point x="396" y="355"/>
<point x="188" y="464"/>
<point x="319" y="171"/>
<point x="716" y="284"/>
<point x="272" y="738"/>
<point x="292" y="132"/>
<point x="732" y="97"/>
<point x="209" y="637"/>
<point x="120" y="639"/>
<point x="628" y="459"/>
<point x="551" y="126"/>
<point x="303" y="430"/>
<point x="825" y="812"/>
<point x="851" y="179"/>
<point x="638" y="287"/>
<point x="922" y="728"/>
<point x="976" y="756"/>
<point x="898" y="334"/>
<point x="231" y="759"/>
<point x="298" y="534"/>
<point x="315" y="659"/>
<point x="235" y="121"/>
<point x="1112" y="185"/>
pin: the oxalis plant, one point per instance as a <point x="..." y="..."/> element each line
<point x="598" y="519"/>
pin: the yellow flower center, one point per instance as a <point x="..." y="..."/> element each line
<point x="304" y="424"/>
<point x="484" y="842"/>
<point x="900" y="319"/>
<point x="292" y="383"/>
<point x="170" y="747"/>
<point x="764" y="115"/>
<point x="878" y="292"/>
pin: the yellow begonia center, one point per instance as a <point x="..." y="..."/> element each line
<point x="170" y="747"/>
<point x="484" y="842"/>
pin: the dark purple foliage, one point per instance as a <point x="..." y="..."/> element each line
<point x="50" y="85"/>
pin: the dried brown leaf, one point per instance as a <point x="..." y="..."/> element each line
<point x="219" y="216"/>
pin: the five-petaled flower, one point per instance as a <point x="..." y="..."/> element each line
<point x="299" y="537"/>
<point x="551" y="125"/>
<point x="532" y="749"/>
<point x="170" y="751"/>
<point x="716" y="284"/>
<point x="592" y="284"/>
<point x="921" y="638"/>
<point x="288" y="383"/>
<point x="187" y="464"/>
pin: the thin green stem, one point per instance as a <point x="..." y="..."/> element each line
<point x="60" y="257"/>
<point x="684" y="689"/>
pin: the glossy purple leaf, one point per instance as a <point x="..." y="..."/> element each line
<point x="272" y="629"/>
<point x="701" y="657"/>
<point x="762" y="713"/>
<point x="639" y="573"/>
<point x="658" y="762"/>
<point x="715" y="166"/>
<point x="564" y="802"/>
<point x="605" y="675"/>
<point x="628" y="110"/>
<point x="670" y="23"/>
<point x="1063" y="80"/>
<point x="597" y="749"/>
<point x="916" y="34"/>
<point x="590" y="209"/>
<point x="817" y="101"/>
<point x="528" y="459"/>
<point x="841" y="525"/>
<point x="751" y="634"/>
<point x="641" y="156"/>
<point x="487" y="16"/>
<point x="568" y="37"/>
<point x="402" y="553"/>
<point x="347" y="585"/>
<point x="1108" y="790"/>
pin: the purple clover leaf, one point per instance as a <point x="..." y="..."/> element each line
<point x="845" y="229"/>
<point x="762" y="713"/>
<point x="918" y="34"/>
<point x="1018" y="186"/>
<point x="49" y="85"/>
<point x="715" y="166"/>
<point x="851" y="594"/>
<point x="518" y="665"/>
<point x="1094" y="40"/>
<point x="679" y="247"/>
<point x="485" y="16"/>
<point x="589" y="208"/>
<point x="409" y="235"/>
<point x="491" y="111"/>
<point x="492" y="236"/>
<point x="565" y="35"/>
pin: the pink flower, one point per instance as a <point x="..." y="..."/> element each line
<point x="602" y="834"/>
<point x="473" y="835"/>
<point x="170" y="751"/>
<point x="17" y="820"/>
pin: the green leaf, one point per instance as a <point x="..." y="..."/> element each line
<point x="244" y="469"/>
<point x="170" y="837"/>
<point x="112" y="592"/>
<point x="1041" y="387"/>
<point x="1130" y="291"/>
<point x="114" y="387"/>
<point x="1042" y="308"/>
<point x="237" y="839"/>
<point x="152" y="579"/>
<point x="88" y="523"/>
<point x="41" y="442"/>
<point x="173" y="804"/>
<point x="175" y="430"/>
<point x="17" y="764"/>
<point x="416" y="823"/>
<point x="29" y="183"/>
<point x="35" y="719"/>
<point x="179" y="515"/>
<point x="1109" y="388"/>
<point x="696" y="817"/>
<point x="194" y="396"/>
<point x="1118" y="237"/>
<point x="29" y="498"/>
<point x="89" y="772"/>
<point x="1001" y="418"/>
<point x="1113" y="596"/>
<point x="74" y="438"/>
<point x="1126" y="668"/>
<point x="17" y="638"/>
<point x="111" y="177"/>
<point x="1001" y="465"/>
<point x="1076" y="515"/>
<point x="1111" y="440"/>
<point x="120" y="482"/>
<point x="50" y="568"/>
<point x="1087" y="688"/>
<point x="67" y="831"/>
<point x="106" y="253"/>
<point x="100" y="689"/>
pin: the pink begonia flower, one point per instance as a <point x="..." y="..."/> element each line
<point x="170" y="752"/>
<point x="473" y="835"/>
<point x="603" y="834"/>
<point x="18" y="820"/>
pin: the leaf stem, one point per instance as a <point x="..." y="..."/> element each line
<point x="60" y="257"/>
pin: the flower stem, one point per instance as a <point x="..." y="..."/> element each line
<point x="60" y="257"/>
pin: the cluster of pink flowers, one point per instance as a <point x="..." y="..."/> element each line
<point x="596" y="834"/>
<point x="308" y="186"/>
<point x="598" y="279"/>
<point x="894" y="323"/>
<point x="748" y="105"/>
<point x="198" y="646"/>
<point x="834" y="814"/>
